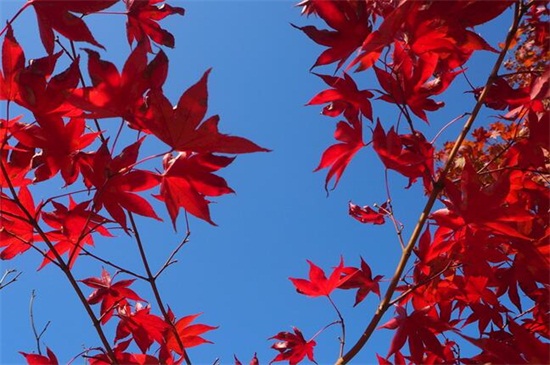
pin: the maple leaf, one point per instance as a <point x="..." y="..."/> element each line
<point x="58" y="15"/>
<point x="351" y="25"/>
<point x="188" y="179"/>
<point x="123" y="357"/>
<point x="60" y="146"/>
<point x="111" y="295"/>
<point x="419" y="328"/>
<point x="318" y="284"/>
<point x="343" y="97"/>
<point x="473" y="205"/>
<point x="361" y="279"/>
<point x="116" y="181"/>
<point x="293" y="347"/>
<point x="73" y="229"/>
<point x="16" y="232"/>
<point x="366" y="214"/>
<point x="189" y="334"/>
<point x="115" y="94"/>
<point x="16" y="160"/>
<point x="142" y="23"/>
<point x="410" y="154"/>
<point x="45" y="95"/>
<point x="145" y="328"/>
<point x="13" y="61"/>
<point x="412" y="84"/>
<point x="34" y="359"/>
<point x="339" y="155"/>
<point x="180" y="127"/>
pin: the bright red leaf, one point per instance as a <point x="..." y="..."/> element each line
<point x="318" y="284"/>
<point x="189" y="334"/>
<point x="344" y="97"/>
<point x="35" y="359"/>
<point x="111" y="295"/>
<point x="115" y="94"/>
<point x="293" y="347"/>
<point x="16" y="232"/>
<point x="142" y="25"/>
<point x="181" y="127"/>
<point x="360" y="279"/>
<point x="409" y="154"/>
<point x="145" y="328"/>
<point x="60" y="146"/>
<point x="73" y="229"/>
<point x="116" y="181"/>
<point x="13" y="61"/>
<point x="58" y="15"/>
<point x="339" y="155"/>
<point x="187" y="181"/>
<point x="366" y="214"/>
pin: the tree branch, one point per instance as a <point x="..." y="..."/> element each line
<point x="438" y="188"/>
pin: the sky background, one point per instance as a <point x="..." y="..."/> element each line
<point x="236" y="274"/>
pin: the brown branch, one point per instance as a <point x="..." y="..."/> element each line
<point x="37" y="336"/>
<point x="62" y="265"/>
<point x="437" y="189"/>
<point x="151" y="279"/>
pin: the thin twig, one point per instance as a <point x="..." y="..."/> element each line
<point x="152" y="282"/>
<point x="37" y="336"/>
<point x="342" y="324"/>
<point x="12" y="280"/>
<point x="169" y="260"/>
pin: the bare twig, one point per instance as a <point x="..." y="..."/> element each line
<point x="151" y="279"/>
<point x="37" y="336"/>
<point x="7" y="273"/>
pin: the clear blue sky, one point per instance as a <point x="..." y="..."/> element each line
<point x="237" y="274"/>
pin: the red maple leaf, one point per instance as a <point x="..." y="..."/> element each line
<point x="116" y="180"/>
<point x="362" y="280"/>
<point x="318" y="284"/>
<point x="45" y="95"/>
<point x="16" y="232"/>
<point x="58" y="15"/>
<point x="181" y="127"/>
<point x="60" y="146"/>
<point x="145" y="328"/>
<point x="16" y="160"/>
<point x="351" y="25"/>
<point x="111" y="295"/>
<point x="420" y="329"/>
<point x="339" y="155"/>
<point x="410" y="154"/>
<point x="34" y="359"/>
<point x="123" y="357"/>
<point x="115" y="94"/>
<point x="343" y="97"/>
<point x="73" y="229"/>
<point x="293" y="347"/>
<point x="188" y="179"/>
<point x="13" y="61"/>
<point x="368" y="215"/>
<point x="142" y="23"/>
<point x="412" y="84"/>
<point x="474" y="205"/>
<point x="189" y="334"/>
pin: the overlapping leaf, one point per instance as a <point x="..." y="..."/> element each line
<point x="142" y="25"/>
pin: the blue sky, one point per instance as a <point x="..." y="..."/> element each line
<point x="236" y="274"/>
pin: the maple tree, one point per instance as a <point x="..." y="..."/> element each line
<point x="475" y="268"/>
